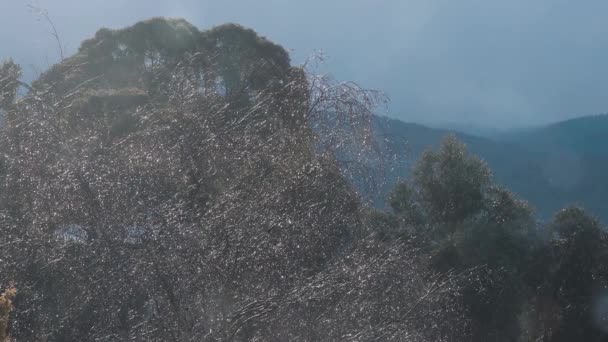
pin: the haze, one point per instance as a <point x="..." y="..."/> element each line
<point x="471" y="62"/>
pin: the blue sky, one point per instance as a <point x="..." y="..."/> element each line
<point x="468" y="62"/>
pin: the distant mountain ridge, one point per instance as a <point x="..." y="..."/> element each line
<point x="585" y="136"/>
<point x="554" y="166"/>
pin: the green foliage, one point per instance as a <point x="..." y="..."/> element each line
<point x="165" y="184"/>
<point x="574" y="224"/>
<point x="405" y="204"/>
<point x="451" y="183"/>
<point x="468" y="222"/>
<point x="244" y="61"/>
<point x="551" y="179"/>
<point x="228" y="59"/>
<point x="9" y="77"/>
<point x="529" y="287"/>
<point x="571" y="273"/>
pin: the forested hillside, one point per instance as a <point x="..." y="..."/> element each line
<point x="584" y="136"/>
<point x="167" y="183"/>
<point x="553" y="167"/>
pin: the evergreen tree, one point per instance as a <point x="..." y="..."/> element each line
<point x="571" y="278"/>
<point x="465" y="221"/>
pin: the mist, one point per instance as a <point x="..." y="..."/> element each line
<point x="167" y="175"/>
<point x="468" y="63"/>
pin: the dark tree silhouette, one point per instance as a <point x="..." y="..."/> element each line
<point x="171" y="184"/>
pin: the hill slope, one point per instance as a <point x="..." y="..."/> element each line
<point x="534" y="165"/>
<point x="585" y="136"/>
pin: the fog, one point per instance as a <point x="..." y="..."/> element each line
<point x="471" y="62"/>
<point x="173" y="184"/>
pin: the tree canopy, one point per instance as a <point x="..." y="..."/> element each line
<point x="167" y="183"/>
<point x="171" y="184"/>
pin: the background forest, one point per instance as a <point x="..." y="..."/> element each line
<point x="170" y="184"/>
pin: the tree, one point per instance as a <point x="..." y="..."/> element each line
<point x="9" y="82"/>
<point x="571" y="275"/>
<point x="451" y="183"/>
<point x="167" y="184"/>
<point x="452" y="207"/>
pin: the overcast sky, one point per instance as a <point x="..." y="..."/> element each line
<point x="479" y="62"/>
